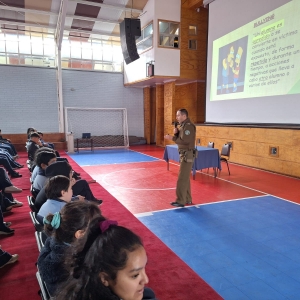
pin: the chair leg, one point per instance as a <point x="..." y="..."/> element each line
<point x="228" y="167"/>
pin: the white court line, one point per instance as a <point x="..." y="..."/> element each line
<point x="146" y="214"/>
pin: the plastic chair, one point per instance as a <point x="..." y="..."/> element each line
<point x="43" y="292"/>
<point x="38" y="238"/>
<point x="211" y="145"/>
<point x="225" y="153"/>
<point x="30" y="200"/>
<point x="37" y="225"/>
<point x="34" y="192"/>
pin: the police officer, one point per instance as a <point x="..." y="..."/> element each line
<point x="184" y="137"/>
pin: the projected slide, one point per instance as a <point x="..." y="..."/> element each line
<point x="261" y="58"/>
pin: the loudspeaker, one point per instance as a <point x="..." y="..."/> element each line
<point x="130" y="29"/>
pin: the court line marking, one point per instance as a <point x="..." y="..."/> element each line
<point x="219" y="178"/>
<point x="145" y="214"/>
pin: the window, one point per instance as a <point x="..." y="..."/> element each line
<point x="38" y="49"/>
<point x="193" y="44"/>
<point x="145" y="41"/>
<point x="168" y="34"/>
<point x="27" y="48"/>
<point x="192" y="30"/>
<point x="92" y="54"/>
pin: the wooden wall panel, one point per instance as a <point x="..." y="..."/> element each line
<point x="201" y="98"/>
<point x="147" y="114"/>
<point x="160" y="115"/>
<point x="193" y="62"/>
<point x="169" y="109"/>
<point x="186" y="97"/>
<point x="251" y="146"/>
<point x="153" y="114"/>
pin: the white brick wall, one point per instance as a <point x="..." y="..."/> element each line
<point x="104" y="90"/>
<point x="28" y="97"/>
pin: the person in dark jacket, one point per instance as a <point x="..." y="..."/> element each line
<point x="64" y="228"/>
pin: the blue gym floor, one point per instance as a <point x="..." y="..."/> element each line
<point x="245" y="249"/>
<point x="105" y="157"/>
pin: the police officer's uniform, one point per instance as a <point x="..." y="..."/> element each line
<point x="185" y="139"/>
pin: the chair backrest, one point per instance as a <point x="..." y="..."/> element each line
<point x="225" y="150"/>
<point x="211" y="145"/>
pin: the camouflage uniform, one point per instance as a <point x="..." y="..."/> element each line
<point x="185" y="139"/>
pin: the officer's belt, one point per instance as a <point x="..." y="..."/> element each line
<point x="183" y="150"/>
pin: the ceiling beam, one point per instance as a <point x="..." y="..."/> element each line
<point x="50" y="13"/>
<point x="59" y="31"/>
<point x="27" y="10"/>
<point x="103" y="33"/>
<point x="117" y="7"/>
<point x="52" y="28"/>
<point x="26" y="24"/>
<point x="93" y="19"/>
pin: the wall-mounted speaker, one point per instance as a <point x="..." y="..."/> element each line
<point x="130" y="29"/>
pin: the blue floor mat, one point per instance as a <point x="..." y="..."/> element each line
<point x="105" y="157"/>
<point x="245" y="249"/>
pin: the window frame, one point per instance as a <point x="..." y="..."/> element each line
<point x="169" y="35"/>
<point x="144" y="39"/>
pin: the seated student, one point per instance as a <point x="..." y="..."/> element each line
<point x="45" y="144"/>
<point x="35" y="169"/>
<point x="107" y="263"/>
<point x="81" y="189"/>
<point x="4" y="226"/>
<point x="2" y="139"/>
<point x="9" y="148"/>
<point x="59" y="192"/>
<point x="30" y="130"/>
<point x="10" y="158"/>
<point x="8" y="167"/>
<point x="7" y="201"/>
<point x="6" y="258"/>
<point x="64" y="227"/>
<point x="43" y="159"/>
<point x="32" y="145"/>
<point x="8" y="144"/>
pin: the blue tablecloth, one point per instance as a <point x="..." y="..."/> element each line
<point x="207" y="157"/>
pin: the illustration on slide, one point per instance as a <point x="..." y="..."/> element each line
<point x="236" y="68"/>
<point x="232" y="67"/>
<point x="227" y="65"/>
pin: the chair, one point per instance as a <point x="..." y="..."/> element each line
<point x="31" y="203"/>
<point x="37" y="225"/>
<point x="211" y="145"/>
<point x="38" y="237"/>
<point x="34" y="192"/>
<point x="43" y="292"/>
<point x="225" y="153"/>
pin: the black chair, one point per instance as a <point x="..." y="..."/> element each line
<point x="37" y="225"/>
<point x="34" y="192"/>
<point x="211" y="145"/>
<point x="30" y="200"/>
<point x="225" y="153"/>
<point x="38" y="237"/>
<point x="43" y="292"/>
